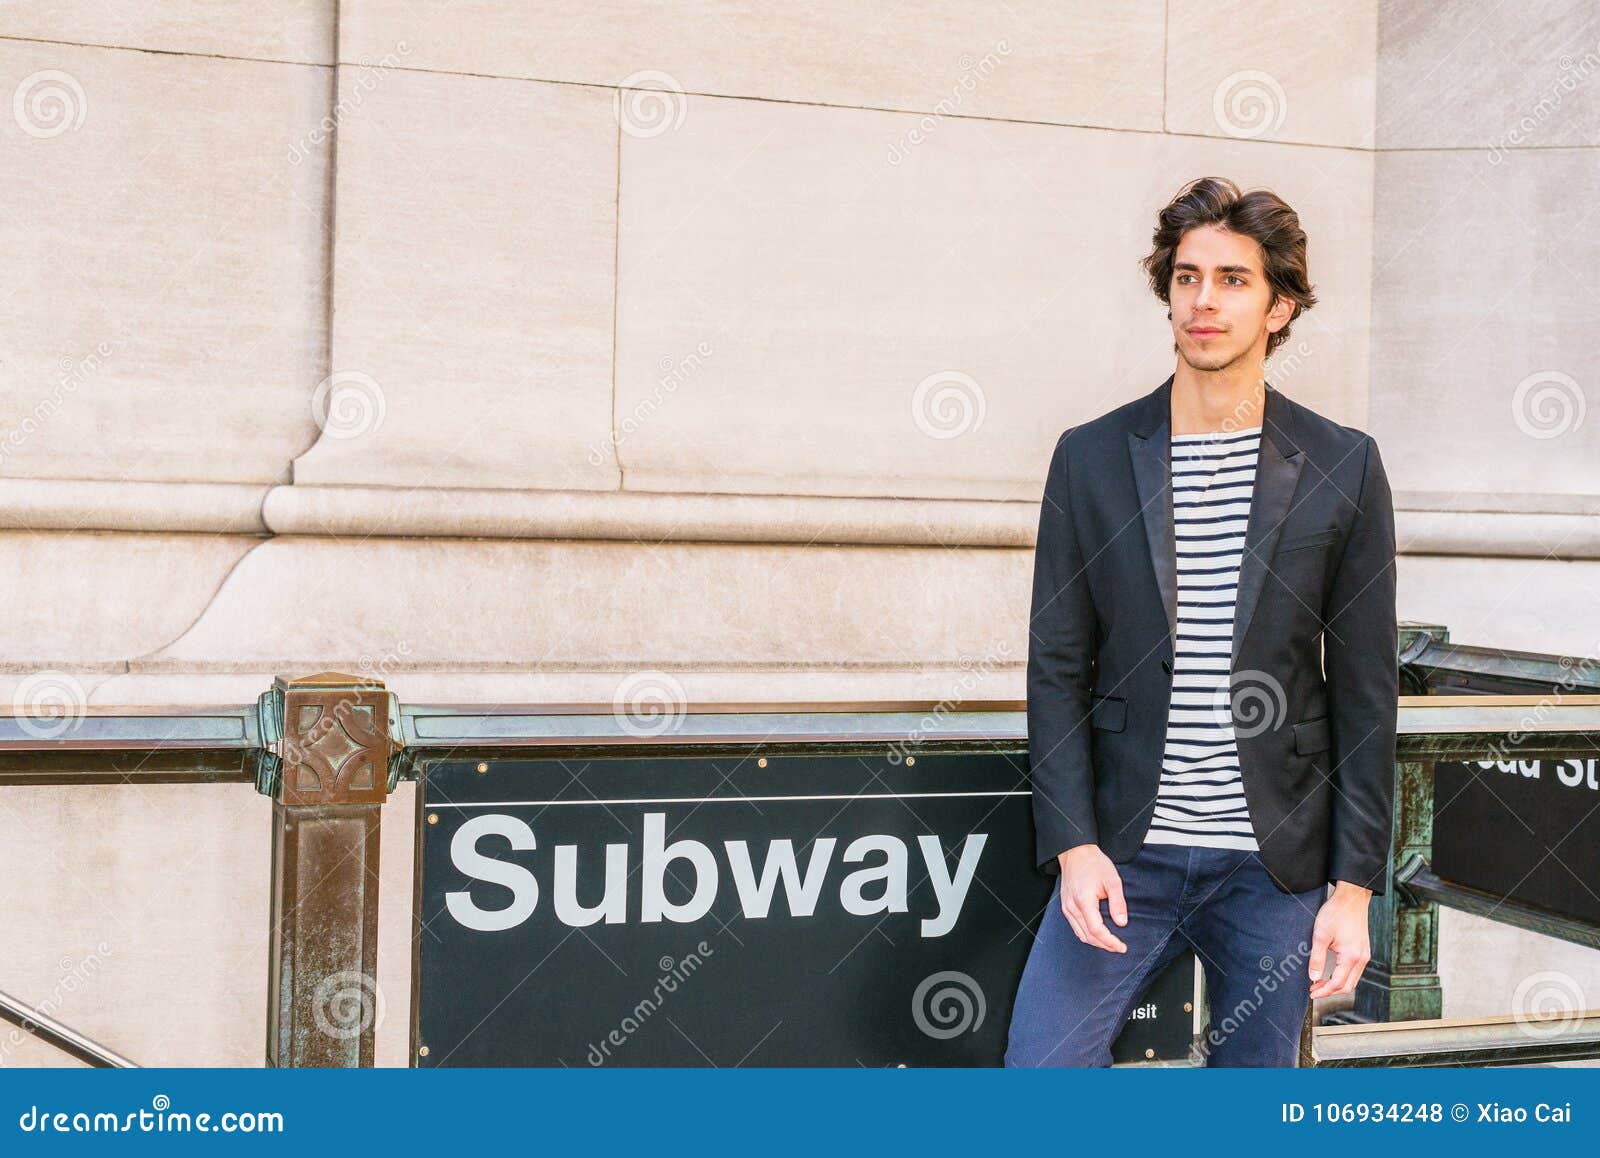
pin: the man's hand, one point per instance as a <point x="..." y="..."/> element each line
<point x="1341" y="925"/>
<point x="1087" y="876"/>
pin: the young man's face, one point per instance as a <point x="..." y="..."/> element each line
<point x="1222" y="307"/>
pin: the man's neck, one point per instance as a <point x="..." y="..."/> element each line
<point x="1211" y="404"/>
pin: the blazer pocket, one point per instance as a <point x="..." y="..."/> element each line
<point x="1311" y="736"/>
<point x="1314" y="539"/>
<point x="1108" y="712"/>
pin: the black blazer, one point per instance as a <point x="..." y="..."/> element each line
<point x="1316" y="591"/>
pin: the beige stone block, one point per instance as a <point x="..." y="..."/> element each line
<point x="1487" y="969"/>
<point x="799" y="314"/>
<point x="473" y="272"/>
<point x="1543" y="605"/>
<point x="1068" y="62"/>
<point x="99" y="598"/>
<point x="137" y="914"/>
<point x="1484" y="300"/>
<point x="585" y="606"/>
<point x="165" y="314"/>
<point x="289" y="30"/>
<point x="1257" y="70"/>
<point x="1459" y="74"/>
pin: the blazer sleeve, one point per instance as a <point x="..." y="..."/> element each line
<point x="1061" y="652"/>
<point x="1361" y="660"/>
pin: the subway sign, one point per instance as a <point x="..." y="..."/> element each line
<point x="756" y="909"/>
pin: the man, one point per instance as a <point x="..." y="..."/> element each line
<point x="1212" y="671"/>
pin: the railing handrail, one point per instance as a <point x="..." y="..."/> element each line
<point x="63" y="1037"/>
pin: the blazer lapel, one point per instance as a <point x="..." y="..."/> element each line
<point x="1150" y="450"/>
<point x="1277" y="475"/>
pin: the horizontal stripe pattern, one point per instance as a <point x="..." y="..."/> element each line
<point x="1201" y="797"/>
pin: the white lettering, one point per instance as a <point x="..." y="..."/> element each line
<point x="757" y="898"/>
<point x="656" y="860"/>
<point x="465" y="856"/>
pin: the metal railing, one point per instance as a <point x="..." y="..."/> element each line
<point x="1462" y="704"/>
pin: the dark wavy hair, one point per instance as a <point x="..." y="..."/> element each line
<point x="1260" y="214"/>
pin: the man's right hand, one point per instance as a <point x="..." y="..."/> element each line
<point x="1088" y="876"/>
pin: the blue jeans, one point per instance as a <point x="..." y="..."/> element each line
<point x="1253" y="940"/>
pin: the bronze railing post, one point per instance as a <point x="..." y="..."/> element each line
<point x="328" y="742"/>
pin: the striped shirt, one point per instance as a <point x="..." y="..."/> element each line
<point x="1201" y="796"/>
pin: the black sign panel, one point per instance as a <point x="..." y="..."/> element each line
<point x="1526" y="829"/>
<point x="801" y="909"/>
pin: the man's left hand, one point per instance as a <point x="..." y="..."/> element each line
<point x="1341" y="926"/>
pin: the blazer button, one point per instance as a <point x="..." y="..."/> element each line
<point x="1166" y="667"/>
